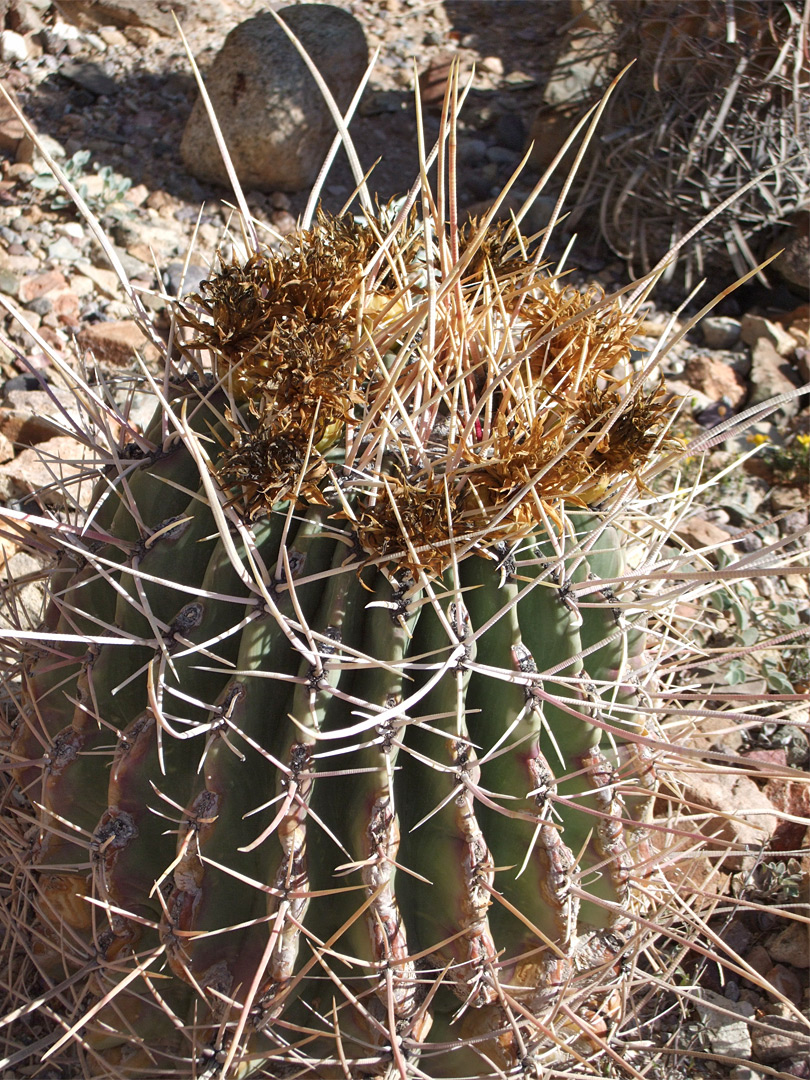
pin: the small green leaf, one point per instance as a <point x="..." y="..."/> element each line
<point x="79" y="159"/>
<point x="736" y="673"/>
<point x="740" y="614"/>
<point x="776" y="678"/>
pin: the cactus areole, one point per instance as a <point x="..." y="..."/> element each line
<point x="335" y="749"/>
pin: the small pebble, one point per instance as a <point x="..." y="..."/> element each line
<point x="176" y="284"/>
<point x="502" y="155"/>
<point x="25" y="382"/>
<point x="72" y="229"/>
<point x="13" y="47"/>
<point x="471" y="150"/>
<point x="41" y="305"/>
<point x="510" y="132"/>
<point x="720" y="331"/>
<point x="63" y="249"/>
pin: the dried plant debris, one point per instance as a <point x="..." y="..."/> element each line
<point x="714" y="111"/>
<point x="314" y="352"/>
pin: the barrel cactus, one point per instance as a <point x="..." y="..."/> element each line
<point x="335" y="753"/>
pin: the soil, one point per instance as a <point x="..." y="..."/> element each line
<point x="136" y="124"/>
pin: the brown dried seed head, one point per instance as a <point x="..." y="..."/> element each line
<point x="492" y="394"/>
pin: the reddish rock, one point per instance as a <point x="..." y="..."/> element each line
<point x="137" y="195"/>
<point x="715" y="379"/>
<point x="142" y="36"/>
<point x="433" y="80"/>
<point x="772" y="375"/>
<point x="695" y="874"/>
<point x="729" y="809"/>
<point x="142" y="252"/>
<point x="8" y="549"/>
<point x="32" y="416"/>
<point x="787" y="499"/>
<point x="6" y="448"/>
<point x="13" y="139"/>
<point x="40" y="284"/>
<point x="791" y="945"/>
<point x="116" y="342"/>
<point x="800" y="331"/>
<point x="283" y="222"/>
<point x="700" y="533"/>
<point x="755" y="328"/>
<point x="770" y="757"/>
<point x="784" y="1038"/>
<point x="20" y="170"/>
<point x="758" y="959"/>
<point x="794" y="262"/>
<point x="796" y="1066"/>
<point x="50" y="336"/>
<point x="798" y="325"/>
<point x="790" y="797"/>
<point x="785" y="982"/>
<point x="549" y="131"/>
<point x="161" y="200"/>
<point x="132" y="14"/>
<point x="49" y="471"/>
<point x="64" y="311"/>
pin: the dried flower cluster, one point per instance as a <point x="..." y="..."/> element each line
<point x="434" y="397"/>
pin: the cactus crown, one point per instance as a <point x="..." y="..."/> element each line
<point x="457" y="389"/>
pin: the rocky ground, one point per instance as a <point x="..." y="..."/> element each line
<point x="110" y="97"/>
